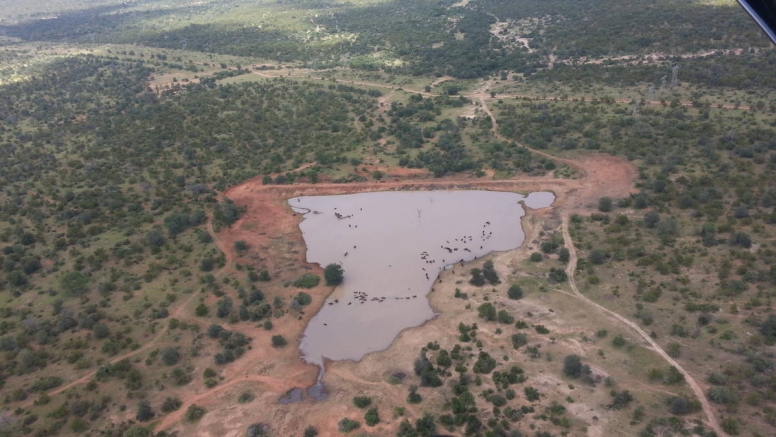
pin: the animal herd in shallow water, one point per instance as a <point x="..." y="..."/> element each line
<point x="363" y="297"/>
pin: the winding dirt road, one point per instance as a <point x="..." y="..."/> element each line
<point x="471" y="95"/>
<point x="571" y="268"/>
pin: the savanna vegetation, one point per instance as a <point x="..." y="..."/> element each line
<point x="122" y="125"/>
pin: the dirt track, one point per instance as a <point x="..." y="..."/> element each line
<point x="471" y="95"/>
<point x="572" y="266"/>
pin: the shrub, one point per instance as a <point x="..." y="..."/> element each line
<point x="679" y="405"/>
<point x="519" y="340"/>
<point x="362" y="401"/>
<point x="278" y="341"/>
<point x="371" y="417"/>
<point x="477" y="279"/>
<point x="536" y="257"/>
<point x="241" y="246"/>
<point x="620" y="400"/>
<point x="515" y="292"/>
<point x="484" y="364"/>
<point x="144" y="412"/>
<point x="246" y="397"/>
<point x="489" y="272"/>
<point x="307" y="280"/>
<point x="505" y="318"/>
<point x="171" y="404"/>
<point x="498" y="400"/>
<point x="722" y="395"/>
<point x="194" y="413"/>
<point x="303" y="299"/>
<point x="257" y="430"/>
<point x="572" y="366"/>
<point x="605" y="204"/>
<point x="333" y="274"/>
<point x="487" y="311"/>
<point x="531" y="394"/>
<point x="310" y="431"/>
<point x="170" y="356"/>
<point x="557" y="275"/>
<point x="414" y="397"/>
<point x="347" y="425"/>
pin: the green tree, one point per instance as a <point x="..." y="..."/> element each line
<point x="371" y="417"/>
<point x="519" y="340"/>
<point x="278" y="341"/>
<point x="194" y="413"/>
<point x="515" y="292"/>
<point x="333" y="274"/>
<point x="144" y="412"/>
<point x="74" y="283"/>
<point x="171" y="404"/>
<point x="487" y="311"/>
<point x="347" y="425"/>
<point x="489" y="272"/>
<point x="362" y="401"/>
<point x="477" y="279"/>
<point x="170" y="356"/>
<point x="572" y="366"/>
<point x="605" y="204"/>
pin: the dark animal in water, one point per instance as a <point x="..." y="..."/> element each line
<point x="346" y="253"/>
<point x="325" y="324"/>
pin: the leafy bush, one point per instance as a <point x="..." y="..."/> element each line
<point x="572" y="366"/>
<point x="144" y="412"/>
<point x="362" y="401"/>
<point x="347" y="425"/>
<point x="194" y="413"/>
<point x="515" y="292"/>
<point x="170" y="356"/>
<point x="519" y="340"/>
<point x="278" y="341"/>
<point x="303" y="299"/>
<point x="620" y="400"/>
<point x="722" y="395"/>
<point x="489" y="273"/>
<point x="477" y="279"/>
<point x="307" y="280"/>
<point x="171" y="404"/>
<point x="484" y="364"/>
<point x="487" y="311"/>
<point x="531" y="394"/>
<point x="246" y="397"/>
<point x="371" y="417"/>
<point x="257" y="430"/>
<point x="333" y="274"/>
<point x="541" y="329"/>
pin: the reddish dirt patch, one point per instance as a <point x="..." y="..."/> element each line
<point x="272" y="230"/>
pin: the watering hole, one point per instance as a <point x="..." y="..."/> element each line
<point x="392" y="246"/>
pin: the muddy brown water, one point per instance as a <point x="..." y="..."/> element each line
<point x="392" y="246"/>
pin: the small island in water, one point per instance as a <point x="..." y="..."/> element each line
<point x="392" y="246"/>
